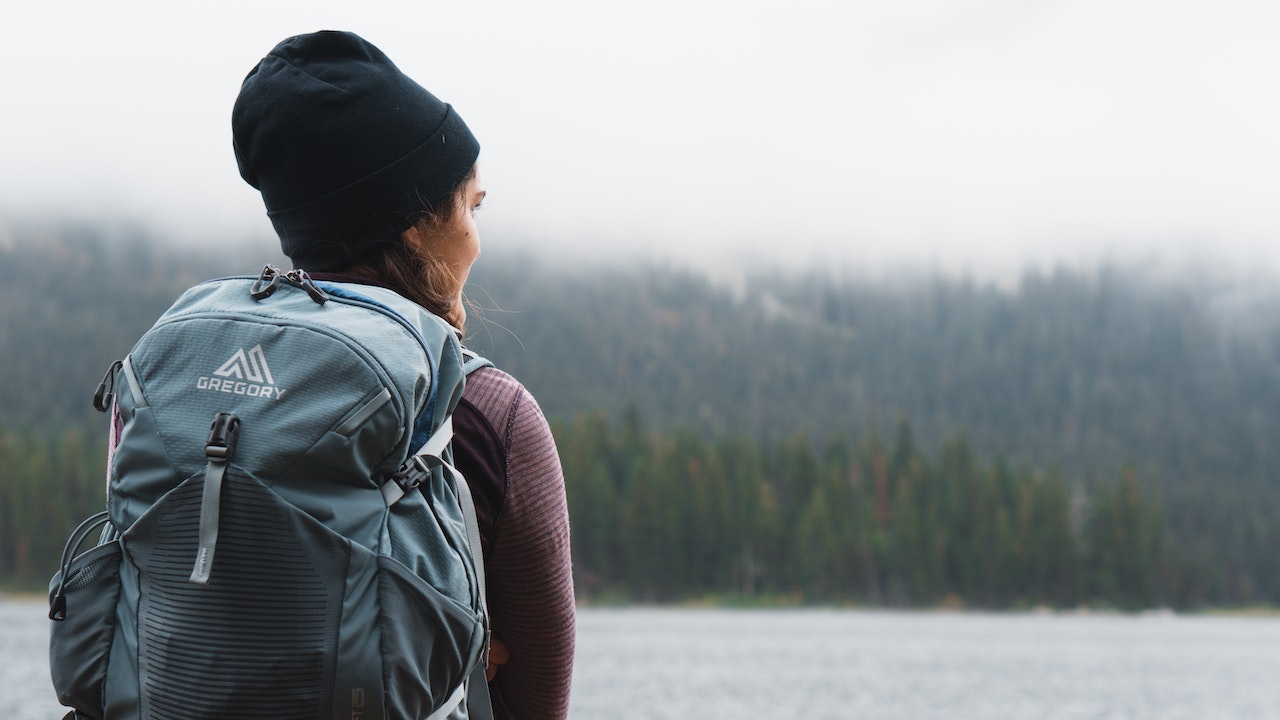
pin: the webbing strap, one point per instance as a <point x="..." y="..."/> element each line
<point x="472" y="361"/>
<point x="210" y="508"/>
<point x="439" y="440"/>
<point x="479" y="705"/>
<point x="391" y="492"/>
<point x="430" y="455"/>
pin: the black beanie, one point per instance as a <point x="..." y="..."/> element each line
<point x="347" y="151"/>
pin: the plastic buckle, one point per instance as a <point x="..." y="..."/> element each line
<point x="222" y="437"/>
<point x="412" y="473"/>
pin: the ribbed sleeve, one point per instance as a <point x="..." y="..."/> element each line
<point x="530" y="578"/>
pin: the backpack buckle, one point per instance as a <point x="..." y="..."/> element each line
<point x="412" y="474"/>
<point x="222" y="437"/>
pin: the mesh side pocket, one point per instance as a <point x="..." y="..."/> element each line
<point x="430" y="642"/>
<point x="80" y="645"/>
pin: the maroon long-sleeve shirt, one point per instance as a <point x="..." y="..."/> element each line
<point x="504" y="448"/>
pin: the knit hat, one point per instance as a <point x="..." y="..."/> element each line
<point x="347" y="151"/>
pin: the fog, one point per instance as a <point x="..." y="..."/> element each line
<point x="978" y="136"/>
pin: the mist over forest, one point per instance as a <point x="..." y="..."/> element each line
<point x="954" y="418"/>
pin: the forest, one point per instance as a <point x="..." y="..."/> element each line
<point x="1097" y="437"/>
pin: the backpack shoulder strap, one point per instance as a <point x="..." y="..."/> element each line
<point x="479" y="705"/>
<point x="472" y="361"/>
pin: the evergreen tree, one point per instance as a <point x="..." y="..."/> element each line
<point x="1126" y="540"/>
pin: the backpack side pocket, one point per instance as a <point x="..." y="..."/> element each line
<point x="80" y="642"/>
<point x="430" y="642"/>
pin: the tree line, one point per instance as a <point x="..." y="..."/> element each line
<point x="668" y="516"/>
<point x="49" y="482"/>
<point x="660" y="516"/>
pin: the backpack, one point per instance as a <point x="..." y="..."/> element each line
<point x="285" y="535"/>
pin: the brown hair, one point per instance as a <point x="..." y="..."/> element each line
<point x="411" y="267"/>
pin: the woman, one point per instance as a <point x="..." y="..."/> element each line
<point x="369" y="178"/>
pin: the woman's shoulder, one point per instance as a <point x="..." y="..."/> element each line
<point x="498" y="395"/>
<point x="495" y="379"/>
<point x="492" y="382"/>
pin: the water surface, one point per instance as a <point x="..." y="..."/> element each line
<point x="645" y="663"/>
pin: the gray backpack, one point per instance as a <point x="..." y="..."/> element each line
<point x="285" y="536"/>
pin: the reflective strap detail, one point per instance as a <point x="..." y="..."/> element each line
<point x="135" y="389"/>
<point x="449" y="705"/>
<point x="364" y="413"/>
<point x="210" y="504"/>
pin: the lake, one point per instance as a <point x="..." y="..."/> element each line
<point x="649" y="663"/>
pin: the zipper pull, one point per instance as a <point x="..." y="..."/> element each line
<point x="107" y="388"/>
<point x="300" y="279"/>
<point x="271" y="275"/>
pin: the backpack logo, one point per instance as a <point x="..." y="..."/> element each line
<point x="247" y="366"/>
<point x="244" y="373"/>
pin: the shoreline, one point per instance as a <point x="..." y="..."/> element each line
<point x="1248" y="611"/>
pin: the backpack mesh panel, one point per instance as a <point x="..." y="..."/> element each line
<point x="79" y="646"/>
<point x="258" y="640"/>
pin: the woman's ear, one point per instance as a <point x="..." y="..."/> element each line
<point x="413" y="237"/>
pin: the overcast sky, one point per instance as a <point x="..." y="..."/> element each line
<point x="975" y="135"/>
